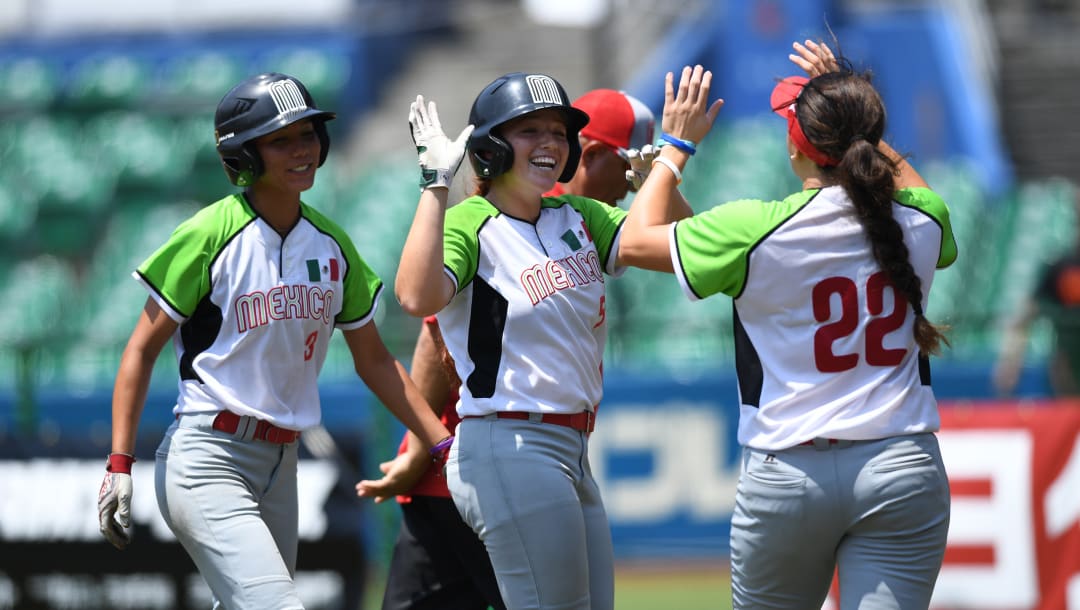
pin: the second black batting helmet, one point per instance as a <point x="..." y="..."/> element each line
<point x="508" y="97"/>
<point x="257" y="106"/>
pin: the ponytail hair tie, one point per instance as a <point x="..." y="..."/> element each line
<point x="918" y="309"/>
<point x="855" y="138"/>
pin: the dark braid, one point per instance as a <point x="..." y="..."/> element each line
<point x="481" y="186"/>
<point x="843" y="116"/>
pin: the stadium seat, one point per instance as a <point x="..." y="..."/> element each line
<point x="27" y="83"/>
<point x="324" y="72"/>
<point x="49" y="161"/>
<point x="18" y="209"/>
<point x="142" y="149"/>
<point x="195" y="82"/>
<point x="108" y="80"/>
<point x="40" y="289"/>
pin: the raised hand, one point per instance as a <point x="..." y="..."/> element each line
<point x="439" y="156"/>
<point x="815" y="58"/>
<point x="687" y="112"/>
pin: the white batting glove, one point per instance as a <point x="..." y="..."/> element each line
<point x="440" y="157"/>
<point x="641" y="162"/>
<point x="114" y="508"/>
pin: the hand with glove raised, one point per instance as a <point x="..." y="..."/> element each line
<point x="114" y="500"/>
<point x="440" y="157"/>
<point x="640" y="164"/>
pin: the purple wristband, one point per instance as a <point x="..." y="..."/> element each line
<point x="442" y="446"/>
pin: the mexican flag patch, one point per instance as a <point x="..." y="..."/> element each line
<point x="322" y="270"/>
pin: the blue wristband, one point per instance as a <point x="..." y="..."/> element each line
<point x="686" y="146"/>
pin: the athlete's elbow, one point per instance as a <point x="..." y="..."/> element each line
<point x="410" y="304"/>
<point x="415" y="302"/>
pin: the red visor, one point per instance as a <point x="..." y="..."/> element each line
<point x="782" y="101"/>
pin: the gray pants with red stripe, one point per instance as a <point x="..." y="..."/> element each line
<point x="876" y="510"/>
<point x="232" y="504"/>
<point x="526" y="488"/>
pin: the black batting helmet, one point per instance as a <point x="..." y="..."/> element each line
<point x="255" y="107"/>
<point x="508" y="97"/>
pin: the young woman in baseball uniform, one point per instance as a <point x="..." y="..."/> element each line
<point x="840" y="464"/>
<point x="250" y="290"/>
<point x="438" y="561"/>
<point x="517" y="281"/>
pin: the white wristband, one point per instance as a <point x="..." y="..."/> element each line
<point x="668" y="163"/>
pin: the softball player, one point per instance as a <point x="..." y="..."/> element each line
<point x="437" y="560"/>
<point x="840" y="464"/>
<point x="517" y="280"/>
<point x="250" y="290"/>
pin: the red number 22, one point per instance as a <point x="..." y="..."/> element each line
<point x="881" y="325"/>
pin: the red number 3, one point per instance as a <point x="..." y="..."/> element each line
<point x="876" y="329"/>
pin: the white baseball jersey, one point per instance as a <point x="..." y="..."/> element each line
<point x="256" y="310"/>
<point x="824" y="345"/>
<point x="527" y="326"/>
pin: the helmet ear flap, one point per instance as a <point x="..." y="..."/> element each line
<point x="490" y="155"/>
<point x="243" y="167"/>
<point x="324" y="140"/>
<point x="573" y="158"/>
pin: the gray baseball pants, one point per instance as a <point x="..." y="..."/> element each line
<point x="878" y="510"/>
<point x="232" y="504"/>
<point x="527" y="490"/>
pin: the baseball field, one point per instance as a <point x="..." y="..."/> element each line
<point x="652" y="586"/>
<point x="686" y="587"/>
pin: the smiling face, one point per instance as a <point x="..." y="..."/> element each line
<point x="289" y="156"/>
<point x="540" y="147"/>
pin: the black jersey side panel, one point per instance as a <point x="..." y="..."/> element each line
<point x="747" y="364"/>
<point x="197" y="335"/>
<point x="487" y="321"/>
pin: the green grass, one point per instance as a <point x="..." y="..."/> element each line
<point x="686" y="587"/>
<point x="655" y="586"/>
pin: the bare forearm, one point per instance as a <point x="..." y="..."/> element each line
<point x="906" y="177"/>
<point x="393" y="387"/>
<point x="420" y="282"/>
<point x="644" y="241"/>
<point x="129" y="398"/>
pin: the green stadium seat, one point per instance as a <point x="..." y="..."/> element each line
<point x="109" y="80"/>
<point x="196" y="82"/>
<point x="324" y="73"/>
<point x="195" y="132"/>
<point x="42" y="290"/>
<point x="18" y="209"/>
<point x="48" y="161"/>
<point x="142" y="150"/>
<point x="27" y="83"/>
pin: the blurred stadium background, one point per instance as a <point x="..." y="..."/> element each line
<point x="106" y="143"/>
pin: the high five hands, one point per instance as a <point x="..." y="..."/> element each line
<point x="687" y="112"/>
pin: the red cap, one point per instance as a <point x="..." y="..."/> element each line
<point x="782" y="100"/>
<point x="617" y="119"/>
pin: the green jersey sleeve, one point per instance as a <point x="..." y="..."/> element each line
<point x="713" y="247"/>
<point x="931" y="204"/>
<point x="461" y="237"/>
<point x="179" y="271"/>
